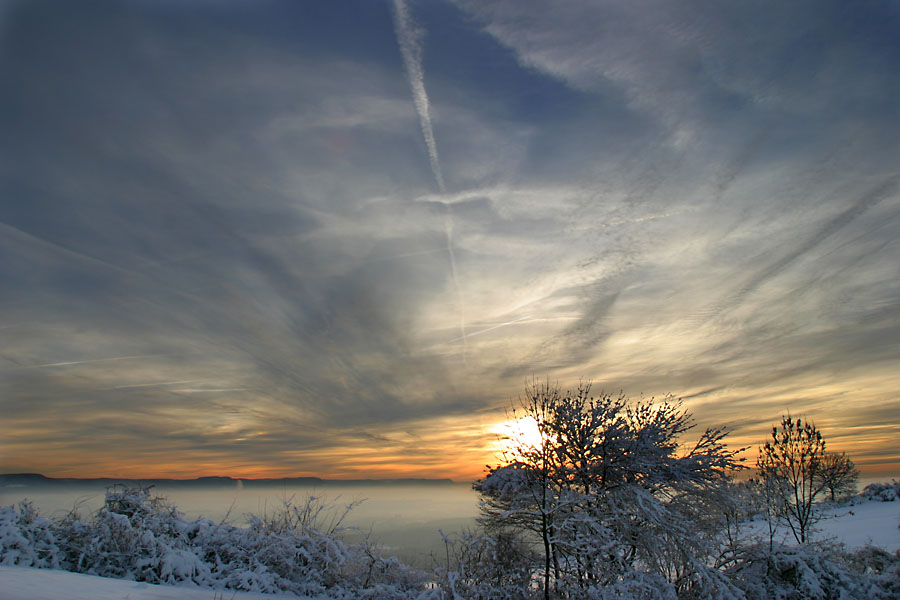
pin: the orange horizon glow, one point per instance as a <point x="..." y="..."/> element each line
<point x="354" y="463"/>
<point x="885" y="472"/>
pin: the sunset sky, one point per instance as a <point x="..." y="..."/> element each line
<point x="276" y="238"/>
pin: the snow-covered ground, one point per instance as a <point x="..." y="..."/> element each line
<point x="22" y="583"/>
<point x="867" y="523"/>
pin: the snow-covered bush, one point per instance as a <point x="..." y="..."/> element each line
<point x="719" y="517"/>
<point x="141" y="537"/>
<point x="884" y="492"/>
<point x="495" y="564"/>
<point x="27" y="539"/>
<point x="133" y="536"/>
<point x="875" y="561"/>
<point x="802" y="572"/>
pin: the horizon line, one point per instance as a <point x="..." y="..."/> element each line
<point x="227" y="477"/>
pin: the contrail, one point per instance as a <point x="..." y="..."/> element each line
<point x="209" y="390"/>
<point x="448" y="230"/>
<point x="18" y="233"/>
<point x="92" y="360"/>
<point x="144" y="385"/>
<point x="409" y="38"/>
<point x="480" y="331"/>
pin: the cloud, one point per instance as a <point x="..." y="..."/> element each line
<point x="222" y="232"/>
<point x="884" y="190"/>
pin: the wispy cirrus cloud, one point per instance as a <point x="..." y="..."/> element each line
<point x="690" y="199"/>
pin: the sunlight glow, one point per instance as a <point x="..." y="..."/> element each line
<point x="517" y="434"/>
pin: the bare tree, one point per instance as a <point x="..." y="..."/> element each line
<point x="838" y="475"/>
<point x="791" y="465"/>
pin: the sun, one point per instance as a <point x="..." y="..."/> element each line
<point x="517" y="434"/>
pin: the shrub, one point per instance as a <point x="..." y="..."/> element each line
<point x="799" y="573"/>
<point x="883" y="492"/>
<point x="27" y="539"/>
<point x="138" y="536"/>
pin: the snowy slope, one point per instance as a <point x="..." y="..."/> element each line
<point x="867" y="524"/>
<point x="864" y="524"/>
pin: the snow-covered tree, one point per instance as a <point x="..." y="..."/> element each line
<point x="609" y="492"/>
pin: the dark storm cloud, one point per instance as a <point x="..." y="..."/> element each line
<point x="221" y="231"/>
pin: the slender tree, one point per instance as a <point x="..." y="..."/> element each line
<point x="791" y="465"/>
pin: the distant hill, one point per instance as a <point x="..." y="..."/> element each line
<point x="37" y="480"/>
<point x="24" y="479"/>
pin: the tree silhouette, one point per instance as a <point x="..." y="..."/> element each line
<point x="791" y="464"/>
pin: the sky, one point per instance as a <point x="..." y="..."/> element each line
<point x="273" y="238"/>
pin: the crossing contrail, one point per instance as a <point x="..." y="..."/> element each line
<point x="492" y="328"/>
<point x="448" y="232"/>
